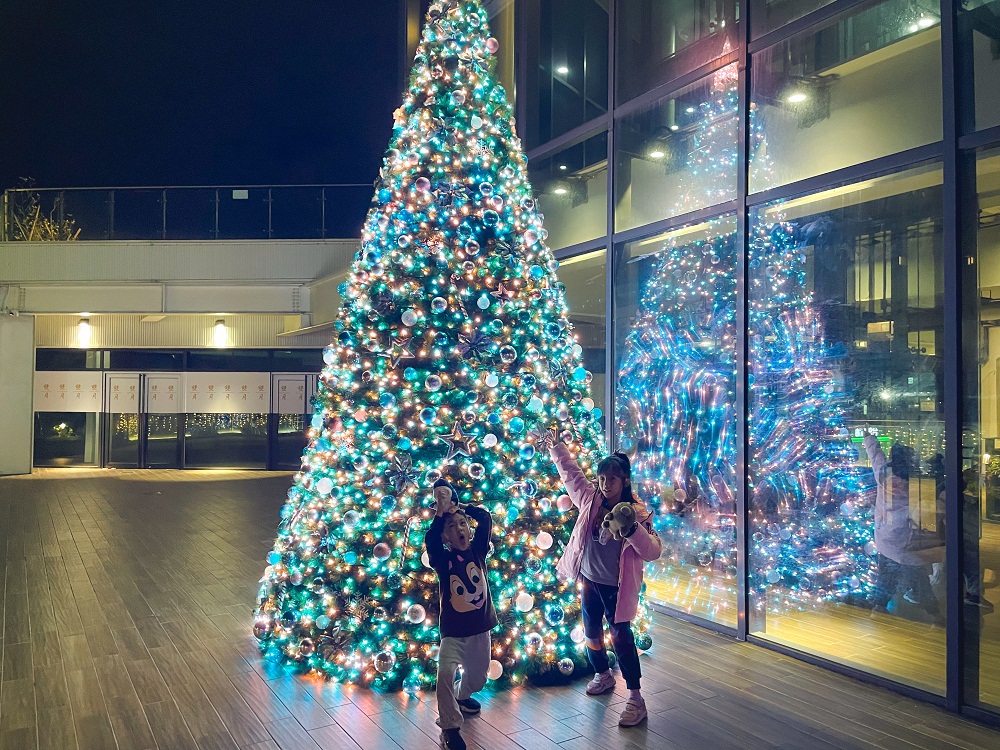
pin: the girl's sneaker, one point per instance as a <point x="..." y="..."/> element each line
<point x="602" y="683"/>
<point x="635" y="712"/>
<point x="451" y="739"/>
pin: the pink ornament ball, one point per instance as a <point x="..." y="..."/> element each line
<point x="492" y="45"/>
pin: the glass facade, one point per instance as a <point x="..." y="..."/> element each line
<point x="679" y="154"/>
<point x="660" y="40"/>
<point x="801" y="239"/>
<point x="675" y="404"/>
<point x="571" y="187"/>
<point x="585" y="277"/>
<point x="567" y="82"/>
<point x="980" y="481"/>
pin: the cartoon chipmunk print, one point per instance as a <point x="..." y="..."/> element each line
<point x="467" y="585"/>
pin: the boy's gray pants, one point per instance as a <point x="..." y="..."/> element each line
<point x="473" y="653"/>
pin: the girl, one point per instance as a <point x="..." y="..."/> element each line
<point x="611" y="540"/>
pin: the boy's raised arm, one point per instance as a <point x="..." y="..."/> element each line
<point x="484" y="528"/>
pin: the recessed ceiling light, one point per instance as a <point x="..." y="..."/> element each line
<point x="690" y="110"/>
<point x="675" y="127"/>
<point x="563" y="167"/>
<point x="562" y="70"/>
<point x="796" y="97"/>
<point x="656" y="154"/>
<point x="560" y="191"/>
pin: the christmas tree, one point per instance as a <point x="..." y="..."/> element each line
<point x="810" y="511"/>
<point x="453" y="345"/>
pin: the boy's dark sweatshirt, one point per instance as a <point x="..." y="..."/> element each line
<point x="466" y="603"/>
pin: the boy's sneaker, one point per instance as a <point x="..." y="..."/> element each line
<point x="451" y="739"/>
<point x="635" y="712"/>
<point x="470" y="706"/>
<point x="911" y="597"/>
<point x="602" y="683"/>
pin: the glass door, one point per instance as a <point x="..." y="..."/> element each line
<point x="289" y="407"/>
<point x="121" y="412"/>
<point x="163" y="420"/>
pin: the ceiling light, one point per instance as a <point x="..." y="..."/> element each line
<point x="562" y="70"/>
<point x="675" y="127"/>
<point x="690" y="110"/>
<point x="220" y="336"/>
<point x="656" y="154"/>
<point x="83" y="333"/>
<point x="563" y="167"/>
<point x="560" y="191"/>
<point x="796" y="97"/>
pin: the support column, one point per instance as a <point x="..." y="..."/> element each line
<point x="17" y="367"/>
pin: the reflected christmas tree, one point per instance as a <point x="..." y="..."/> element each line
<point x="453" y="344"/>
<point x="810" y="511"/>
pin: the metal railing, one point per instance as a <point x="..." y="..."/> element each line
<point x="334" y="211"/>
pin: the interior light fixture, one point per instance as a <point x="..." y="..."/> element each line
<point x="563" y="167"/>
<point x="796" y="97"/>
<point x="562" y="70"/>
<point x="657" y="153"/>
<point x="220" y="336"/>
<point x="690" y="110"/>
<point x="675" y="128"/>
<point x="83" y="333"/>
<point x="560" y="191"/>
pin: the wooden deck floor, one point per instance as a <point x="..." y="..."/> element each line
<point x="126" y="602"/>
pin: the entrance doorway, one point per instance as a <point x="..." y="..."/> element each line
<point x="143" y="420"/>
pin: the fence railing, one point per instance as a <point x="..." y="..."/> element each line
<point x="193" y="213"/>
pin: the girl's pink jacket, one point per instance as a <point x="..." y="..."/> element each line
<point x="643" y="545"/>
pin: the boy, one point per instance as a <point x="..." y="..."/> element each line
<point x="467" y="614"/>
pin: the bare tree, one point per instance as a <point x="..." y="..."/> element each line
<point x="30" y="223"/>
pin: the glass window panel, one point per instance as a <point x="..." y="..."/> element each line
<point x="659" y="40"/>
<point x="298" y="360"/>
<point x="981" y="449"/>
<point x="569" y="84"/>
<point x="68" y="359"/>
<point x="675" y="401"/>
<point x="143" y="359"/>
<point x="291" y="440"/>
<point x="66" y="439"/>
<point x="233" y="441"/>
<point x="768" y="15"/>
<point x="231" y="360"/>
<point x="297" y="212"/>
<point x="585" y="277"/>
<point x="243" y="213"/>
<point x="680" y="154"/>
<point x="858" y="87"/>
<point x="572" y="192"/>
<point x="979" y="34"/>
<point x="847" y="426"/>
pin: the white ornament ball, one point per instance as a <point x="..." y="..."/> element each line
<point x="489" y="440"/>
<point x="588" y="404"/>
<point x="476" y="121"/>
<point x="410" y="318"/>
<point x="492" y="380"/>
<point x="324" y="486"/>
<point x="495" y="670"/>
<point x="425" y="559"/>
<point x="576" y="634"/>
<point x="566" y="666"/>
<point x="524" y="602"/>
<point x="543" y="540"/>
<point x="415" y="613"/>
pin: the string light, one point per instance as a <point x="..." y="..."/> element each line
<point x="452" y="345"/>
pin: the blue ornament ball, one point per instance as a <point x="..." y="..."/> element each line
<point x="643" y="641"/>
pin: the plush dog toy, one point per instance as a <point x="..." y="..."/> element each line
<point x="621" y="521"/>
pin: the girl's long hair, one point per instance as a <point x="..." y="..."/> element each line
<point x="617" y="464"/>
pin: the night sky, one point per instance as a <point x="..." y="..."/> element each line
<point x="213" y="92"/>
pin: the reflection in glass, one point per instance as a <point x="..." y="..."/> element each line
<point x="291" y="440"/>
<point x="679" y="155"/>
<point x="66" y="439"/>
<point x="855" y="88"/>
<point x="659" y="40"/>
<point x="585" y="277"/>
<point x="162" y="441"/>
<point x="768" y="15"/>
<point x="572" y="192"/>
<point x="978" y="31"/>
<point x="226" y="441"/>
<point x="846" y="471"/>
<point x="675" y="408"/>
<point x="569" y="84"/>
<point x="123" y="443"/>
<point x="981" y="449"/>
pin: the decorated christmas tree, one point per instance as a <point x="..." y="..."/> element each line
<point x="453" y="344"/>
<point x="809" y="509"/>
